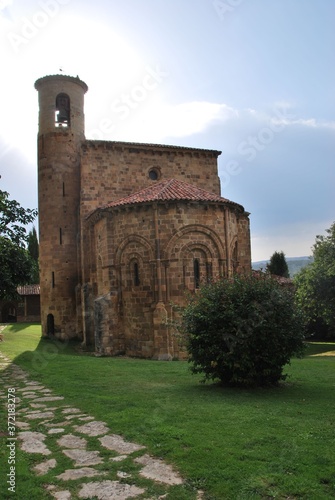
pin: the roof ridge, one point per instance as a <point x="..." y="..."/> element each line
<point x="151" y="145"/>
<point x="168" y="183"/>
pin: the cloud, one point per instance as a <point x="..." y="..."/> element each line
<point x="151" y="120"/>
<point x="193" y="117"/>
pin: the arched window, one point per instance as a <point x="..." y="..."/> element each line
<point x="136" y="274"/>
<point x="196" y="270"/>
<point x="62" y="115"/>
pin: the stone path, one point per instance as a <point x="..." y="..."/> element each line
<point x="100" y="460"/>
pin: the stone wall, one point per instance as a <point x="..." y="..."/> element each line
<point x="147" y="260"/>
<point x="113" y="170"/>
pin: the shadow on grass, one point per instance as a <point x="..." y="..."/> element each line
<point x="320" y="349"/>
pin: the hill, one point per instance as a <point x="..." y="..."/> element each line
<point x="294" y="264"/>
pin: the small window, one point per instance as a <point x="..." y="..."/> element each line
<point x="196" y="267"/>
<point x="53" y="279"/>
<point x="136" y="275"/>
<point x="153" y="174"/>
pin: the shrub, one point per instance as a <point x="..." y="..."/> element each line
<point x="242" y="331"/>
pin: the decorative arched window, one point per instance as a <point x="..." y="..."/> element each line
<point x="62" y="114"/>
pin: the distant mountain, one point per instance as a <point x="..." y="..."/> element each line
<point x="294" y="264"/>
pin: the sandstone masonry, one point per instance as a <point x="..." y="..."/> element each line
<point x="126" y="230"/>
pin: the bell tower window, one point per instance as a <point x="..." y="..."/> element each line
<point x="62" y="113"/>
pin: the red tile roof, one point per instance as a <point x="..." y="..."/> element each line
<point x="28" y="290"/>
<point x="170" y="190"/>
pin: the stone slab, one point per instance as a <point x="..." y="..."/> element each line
<point x="83" y="458"/>
<point x="39" y="414"/>
<point x="44" y="467"/>
<point x="32" y="442"/>
<point x="118" y="444"/>
<point x="157" y="470"/>
<point x="62" y="495"/>
<point x="48" y="398"/>
<point x="70" y="410"/>
<point x="73" y="474"/>
<point x="94" y="428"/>
<point x="109" y="490"/>
<point x="71" y="441"/>
<point x="56" y="430"/>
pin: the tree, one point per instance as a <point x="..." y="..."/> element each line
<point x="278" y="265"/>
<point x="14" y="218"/>
<point x="32" y="242"/>
<point x="15" y="268"/>
<point x="33" y="250"/>
<point x="243" y="330"/>
<point x="15" y="261"/>
<point x="316" y="287"/>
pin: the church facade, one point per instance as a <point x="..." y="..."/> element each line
<point x="126" y="230"/>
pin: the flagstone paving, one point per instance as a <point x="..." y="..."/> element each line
<point x="38" y="406"/>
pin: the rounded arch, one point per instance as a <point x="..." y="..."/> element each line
<point x="120" y="252"/>
<point x="201" y="230"/>
<point x="192" y="246"/>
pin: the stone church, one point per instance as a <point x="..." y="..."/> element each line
<point x="125" y="230"/>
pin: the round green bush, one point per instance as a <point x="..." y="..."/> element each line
<point x="242" y="330"/>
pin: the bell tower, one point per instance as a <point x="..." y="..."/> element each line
<point x="60" y="135"/>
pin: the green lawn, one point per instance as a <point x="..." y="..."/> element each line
<point x="233" y="443"/>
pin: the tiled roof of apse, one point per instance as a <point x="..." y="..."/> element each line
<point x="170" y="190"/>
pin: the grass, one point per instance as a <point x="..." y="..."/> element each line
<point x="233" y="443"/>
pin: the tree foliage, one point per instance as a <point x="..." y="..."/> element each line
<point x="242" y="331"/>
<point x="278" y="265"/>
<point x="32" y="242"/>
<point x="316" y="287"/>
<point x="14" y="218"/>
<point x="15" y="268"/>
<point x="15" y="262"/>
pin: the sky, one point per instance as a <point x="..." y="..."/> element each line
<point x="251" y="78"/>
